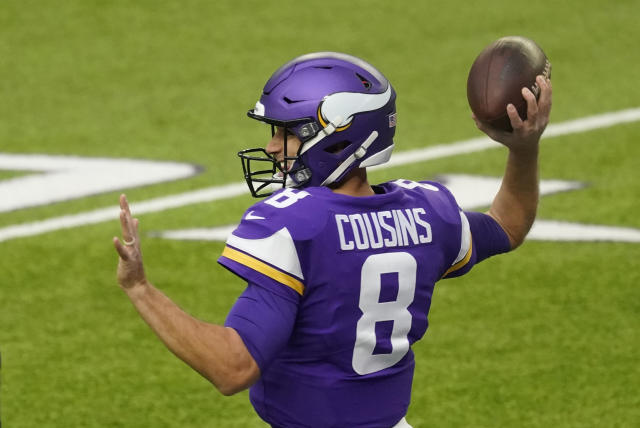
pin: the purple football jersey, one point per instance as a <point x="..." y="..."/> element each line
<point x="361" y="271"/>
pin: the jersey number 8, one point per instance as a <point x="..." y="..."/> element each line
<point x="365" y="361"/>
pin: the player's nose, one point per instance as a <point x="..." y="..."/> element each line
<point x="276" y="144"/>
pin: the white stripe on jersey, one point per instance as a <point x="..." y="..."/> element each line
<point x="465" y="239"/>
<point x="402" y="424"/>
<point x="278" y="250"/>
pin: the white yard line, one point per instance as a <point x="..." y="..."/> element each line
<point x="111" y="213"/>
<point x="235" y="189"/>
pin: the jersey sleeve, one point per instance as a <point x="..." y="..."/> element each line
<point x="479" y="235"/>
<point x="264" y="320"/>
<point x="481" y="238"/>
<point x="262" y="251"/>
<point x="489" y="238"/>
<point x="464" y="260"/>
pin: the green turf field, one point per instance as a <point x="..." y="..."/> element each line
<point x="546" y="336"/>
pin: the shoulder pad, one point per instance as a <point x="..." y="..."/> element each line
<point x="436" y="195"/>
<point x="299" y="211"/>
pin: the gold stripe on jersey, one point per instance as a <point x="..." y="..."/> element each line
<point x="462" y="262"/>
<point x="263" y="268"/>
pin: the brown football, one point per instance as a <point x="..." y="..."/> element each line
<point x="498" y="75"/>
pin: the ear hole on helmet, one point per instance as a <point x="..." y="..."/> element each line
<point x="337" y="147"/>
<point x="289" y="100"/>
<point x="364" y="81"/>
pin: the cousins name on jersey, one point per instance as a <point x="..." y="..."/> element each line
<point x="378" y="229"/>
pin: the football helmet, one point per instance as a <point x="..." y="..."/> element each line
<point x="340" y="107"/>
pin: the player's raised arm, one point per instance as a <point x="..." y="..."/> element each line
<point x="214" y="351"/>
<point x="516" y="203"/>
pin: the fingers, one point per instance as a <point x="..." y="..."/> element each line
<point x="492" y="133"/>
<point x="514" y="117"/>
<point x="122" y="252"/>
<point x="130" y="268"/>
<point x="532" y="103"/>
<point x="526" y="133"/>
<point x="537" y="109"/>
<point x="125" y="224"/>
<point x="477" y="121"/>
<point x="544" y="102"/>
<point x="124" y="204"/>
<point x="129" y="227"/>
<point x="128" y="224"/>
<point x="480" y="125"/>
<point x="125" y="218"/>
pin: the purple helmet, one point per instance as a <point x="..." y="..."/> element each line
<point x="340" y="107"/>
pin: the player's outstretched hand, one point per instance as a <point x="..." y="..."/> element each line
<point x="130" y="268"/>
<point x="526" y="133"/>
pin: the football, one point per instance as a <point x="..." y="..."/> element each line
<point x="498" y="75"/>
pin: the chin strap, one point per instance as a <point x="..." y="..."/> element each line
<point x="324" y="132"/>
<point x="358" y="154"/>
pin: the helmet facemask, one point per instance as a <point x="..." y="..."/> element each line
<point x="265" y="173"/>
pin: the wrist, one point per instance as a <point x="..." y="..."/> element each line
<point x="527" y="149"/>
<point x="526" y="154"/>
<point x="138" y="289"/>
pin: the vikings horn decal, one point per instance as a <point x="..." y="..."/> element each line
<point x="346" y="104"/>
<point x="259" y="109"/>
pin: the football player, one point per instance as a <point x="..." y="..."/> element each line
<point x="340" y="272"/>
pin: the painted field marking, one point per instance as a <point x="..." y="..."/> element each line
<point x="473" y="192"/>
<point x="235" y="189"/>
<point x="63" y="178"/>
<point x="112" y="212"/>
<point x="478" y="144"/>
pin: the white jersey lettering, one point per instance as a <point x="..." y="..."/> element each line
<point x="383" y="229"/>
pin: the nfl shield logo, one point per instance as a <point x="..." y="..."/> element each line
<point x="392" y="120"/>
